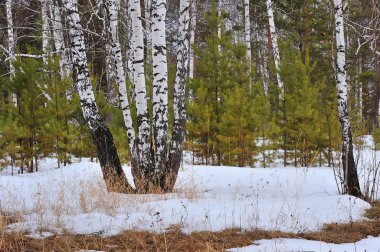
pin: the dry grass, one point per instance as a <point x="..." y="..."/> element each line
<point x="175" y="240"/>
<point x="92" y="196"/>
<point x="374" y="212"/>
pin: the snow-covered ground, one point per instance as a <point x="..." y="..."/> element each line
<point x="74" y="199"/>
<point x="370" y="244"/>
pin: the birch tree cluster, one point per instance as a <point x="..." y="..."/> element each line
<point x="243" y="83"/>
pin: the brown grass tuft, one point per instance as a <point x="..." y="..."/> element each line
<point x="374" y="211"/>
<point x="176" y="240"/>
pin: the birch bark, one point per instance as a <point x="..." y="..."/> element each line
<point x="138" y="72"/>
<point x="111" y="17"/>
<point x="109" y="160"/>
<point x="160" y="85"/>
<point x="129" y="51"/>
<point x="148" y="30"/>
<point x="59" y="40"/>
<point x="193" y="26"/>
<point x="45" y="29"/>
<point x="276" y="50"/>
<point x="220" y="23"/>
<point x="11" y="44"/>
<point x="247" y="29"/>
<point x="11" y="38"/>
<point x="179" y="96"/>
<point x="351" y="181"/>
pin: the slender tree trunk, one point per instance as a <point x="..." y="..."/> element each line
<point x="276" y="50"/>
<point x="45" y="29"/>
<point x="59" y="40"/>
<point x="129" y="50"/>
<point x="160" y="85"/>
<point x="109" y="160"/>
<point x="351" y="181"/>
<point x="247" y="39"/>
<point x="143" y="122"/>
<point x="109" y="59"/>
<point x="148" y="30"/>
<point x="179" y="97"/>
<point x="193" y="26"/>
<point x="11" y="38"/>
<point x="247" y="29"/>
<point x="220" y="23"/>
<point x="111" y="11"/>
<point x="11" y="43"/>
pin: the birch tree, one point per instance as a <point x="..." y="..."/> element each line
<point x="160" y="84"/>
<point x="147" y="13"/>
<point x="351" y="181"/>
<point x="128" y="45"/>
<point x="11" y="43"/>
<point x="179" y="97"/>
<point x="247" y="29"/>
<point x="59" y="40"/>
<point x="109" y="160"/>
<point x="143" y="122"/>
<point x="111" y="11"/>
<point x="11" y="38"/>
<point x="220" y="23"/>
<point x="276" y="49"/>
<point x="193" y="26"/>
<point x="45" y="29"/>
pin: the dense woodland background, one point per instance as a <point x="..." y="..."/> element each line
<point x="235" y="116"/>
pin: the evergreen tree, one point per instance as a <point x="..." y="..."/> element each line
<point x="236" y="125"/>
<point x="299" y="112"/>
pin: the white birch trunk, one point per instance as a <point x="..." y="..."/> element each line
<point x="86" y="94"/>
<point x="276" y="49"/>
<point x="160" y="83"/>
<point x="350" y="174"/>
<point x="179" y="96"/>
<point x="129" y="50"/>
<point x="45" y="29"/>
<point x="114" y="44"/>
<point x="11" y="44"/>
<point x="148" y="31"/>
<point x="109" y="161"/>
<point x="110" y="75"/>
<point x="193" y="26"/>
<point x="341" y="75"/>
<point x="220" y="23"/>
<point x="108" y="11"/>
<point x="11" y="38"/>
<point x="138" y="72"/>
<point x="247" y="29"/>
<point x="59" y="41"/>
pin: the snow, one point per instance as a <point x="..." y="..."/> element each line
<point x="74" y="199"/>
<point x="370" y="244"/>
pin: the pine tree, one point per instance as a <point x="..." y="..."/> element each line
<point x="266" y="131"/>
<point x="200" y="114"/>
<point x="61" y="109"/>
<point x="208" y="87"/>
<point x="299" y="111"/>
<point x="235" y="127"/>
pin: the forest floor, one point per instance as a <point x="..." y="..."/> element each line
<point x="356" y="236"/>
<point x="211" y="209"/>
